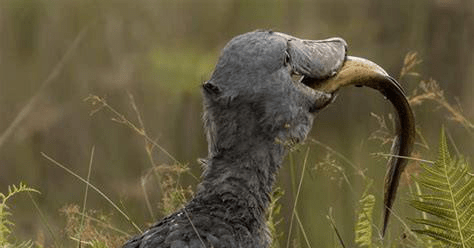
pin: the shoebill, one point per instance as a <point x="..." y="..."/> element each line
<point x="255" y="108"/>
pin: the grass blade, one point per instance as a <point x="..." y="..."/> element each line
<point x="85" y="195"/>
<point x="94" y="188"/>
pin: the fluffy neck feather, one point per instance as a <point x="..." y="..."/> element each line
<point x="245" y="176"/>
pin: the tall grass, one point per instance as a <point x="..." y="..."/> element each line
<point x="95" y="228"/>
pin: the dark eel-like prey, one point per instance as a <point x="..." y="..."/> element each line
<point x="362" y="72"/>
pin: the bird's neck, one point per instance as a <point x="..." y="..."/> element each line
<point x="245" y="177"/>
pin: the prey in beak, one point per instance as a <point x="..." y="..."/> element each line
<point x="325" y="68"/>
<point x="362" y="72"/>
<point x="303" y="76"/>
<point x="252" y="103"/>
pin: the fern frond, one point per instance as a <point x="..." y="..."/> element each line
<point x="24" y="244"/>
<point x="13" y="190"/>
<point x="447" y="198"/>
<point x="446" y="213"/>
<point x="363" y="227"/>
<point x="5" y="223"/>
<point x="442" y="236"/>
<point x="432" y="198"/>
<point x="434" y="223"/>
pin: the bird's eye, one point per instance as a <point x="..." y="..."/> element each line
<point x="287" y="58"/>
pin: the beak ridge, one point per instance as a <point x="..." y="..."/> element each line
<point x="317" y="59"/>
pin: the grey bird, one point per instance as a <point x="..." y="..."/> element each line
<point x="255" y="109"/>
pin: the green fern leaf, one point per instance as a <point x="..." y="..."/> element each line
<point x="432" y="198"/>
<point x="446" y="213"/>
<point x="5" y="223"/>
<point x="442" y="236"/>
<point x="432" y="223"/>
<point x="447" y="198"/>
<point x="363" y="227"/>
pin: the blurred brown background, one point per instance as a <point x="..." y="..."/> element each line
<point x="53" y="54"/>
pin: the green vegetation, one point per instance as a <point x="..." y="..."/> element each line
<point x="444" y="200"/>
<point x="5" y="223"/>
<point x="443" y="197"/>
<point x="274" y="216"/>
<point x="363" y="229"/>
<point x="147" y="59"/>
<point x="448" y="198"/>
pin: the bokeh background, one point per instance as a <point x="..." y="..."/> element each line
<point x="53" y="54"/>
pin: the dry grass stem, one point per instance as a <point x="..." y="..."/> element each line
<point x="194" y="228"/>
<point x="94" y="231"/>
<point x="333" y="169"/>
<point x="173" y="196"/>
<point x="430" y="90"/>
<point x="404" y="157"/>
<point x="296" y="198"/>
<point x="333" y="225"/>
<point x="74" y="210"/>
<point x="147" y="200"/>
<point x="357" y="169"/>
<point x="44" y="221"/>
<point x="85" y="195"/>
<point x="409" y="63"/>
<point x="94" y="188"/>
<point x="384" y="133"/>
<point x="302" y="229"/>
<point x="100" y="103"/>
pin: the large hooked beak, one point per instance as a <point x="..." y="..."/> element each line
<point x="361" y="72"/>
<point x="325" y="67"/>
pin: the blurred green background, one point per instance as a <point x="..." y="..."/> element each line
<point x="53" y="54"/>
